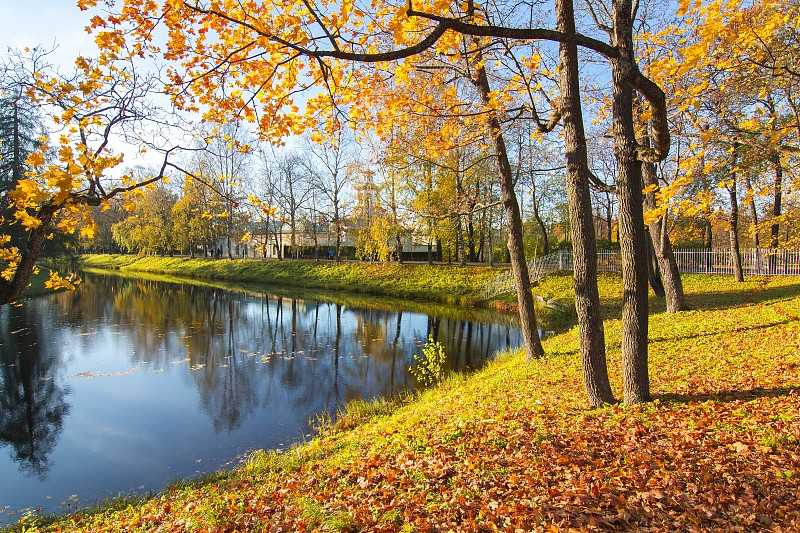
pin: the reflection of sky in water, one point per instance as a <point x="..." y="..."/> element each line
<point x="128" y="383"/>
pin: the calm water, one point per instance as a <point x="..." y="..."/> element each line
<point x="128" y="383"/>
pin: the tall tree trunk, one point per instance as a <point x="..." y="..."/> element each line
<point x="653" y="270"/>
<point x="776" y="199"/>
<point x="338" y="227"/>
<point x="522" y="280"/>
<point x="538" y="216"/>
<point x="584" y="246"/>
<point x="633" y="246"/>
<point x="776" y="211"/>
<point x="399" y="243"/>
<point x="751" y="203"/>
<point x="734" y="234"/>
<point x="473" y="252"/>
<point x="490" y="240"/>
<point x="462" y="248"/>
<point x="668" y="266"/>
<point x="734" y="221"/>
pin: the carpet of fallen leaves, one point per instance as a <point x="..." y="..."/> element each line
<point x="513" y="448"/>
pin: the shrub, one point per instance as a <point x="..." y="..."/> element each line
<point x="429" y="369"/>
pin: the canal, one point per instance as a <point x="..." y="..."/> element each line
<point x="131" y="382"/>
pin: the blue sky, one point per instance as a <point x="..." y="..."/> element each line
<point x="60" y="24"/>
<point x="28" y="23"/>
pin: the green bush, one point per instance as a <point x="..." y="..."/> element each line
<point x="429" y="369"/>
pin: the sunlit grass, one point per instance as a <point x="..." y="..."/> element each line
<point x="725" y="376"/>
<point x="442" y="283"/>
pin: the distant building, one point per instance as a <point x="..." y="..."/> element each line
<point x="314" y="241"/>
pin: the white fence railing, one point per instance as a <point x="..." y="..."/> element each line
<point x="755" y="262"/>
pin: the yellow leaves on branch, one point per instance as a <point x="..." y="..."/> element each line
<point x="262" y="76"/>
<point x="57" y="282"/>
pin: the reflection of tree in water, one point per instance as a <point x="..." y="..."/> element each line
<point x="32" y="404"/>
<point x="248" y="351"/>
<point x="227" y="381"/>
<point x="169" y="323"/>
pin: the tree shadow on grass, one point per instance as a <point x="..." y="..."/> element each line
<point x="728" y="395"/>
<point x="710" y="300"/>
<point x="715" y="300"/>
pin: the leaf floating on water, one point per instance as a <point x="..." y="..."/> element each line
<point x="88" y="333"/>
<point x="93" y="374"/>
<point x="84" y="374"/>
<point x="181" y="361"/>
<point x="197" y="367"/>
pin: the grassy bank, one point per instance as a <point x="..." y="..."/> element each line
<point x="440" y="283"/>
<point x="514" y="448"/>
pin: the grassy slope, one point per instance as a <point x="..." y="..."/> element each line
<point x="514" y="448"/>
<point x="442" y="283"/>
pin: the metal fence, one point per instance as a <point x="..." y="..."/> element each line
<point x="755" y="262"/>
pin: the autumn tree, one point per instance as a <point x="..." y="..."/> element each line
<point x="728" y="67"/>
<point x="193" y="217"/>
<point x="262" y="54"/>
<point x="150" y="228"/>
<point x="70" y="173"/>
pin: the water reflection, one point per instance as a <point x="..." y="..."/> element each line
<point x="32" y="399"/>
<point x="163" y="377"/>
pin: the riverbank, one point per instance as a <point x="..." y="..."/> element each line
<point x="513" y="446"/>
<point x="450" y="284"/>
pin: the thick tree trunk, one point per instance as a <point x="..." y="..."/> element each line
<point x="584" y="247"/>
<point x="667" y="265"/>
<point x="522" y="280"/>
<point x="473" y="252"/>
<point x="631" y="222"/>
<point x="670" y="275"/>
<point x="11" y="291"/>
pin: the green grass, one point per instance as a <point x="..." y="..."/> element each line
<point x="440" y="283"/>
<point x="514" y="446"/>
